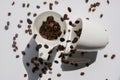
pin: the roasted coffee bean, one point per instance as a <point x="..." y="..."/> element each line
<point x="62" y="39"/>
<point x="69" y="9"/>
<point x="6" y="27"/>
<point x="9" y="13"/>
<point x="21" y="21"/>
<point x="101" y="15"/>
<point x="28" y="5"/>
<point x="50" y="6"/>
<point x="61" y="47"/>
<point x="29" y="21"/>
<point x="19" y="25"/>
<point x="56" y="61"/>
<point x="28" y="45"/>
<point x="8" y="23"/>
<point x="77" y="21"/>
<point x="50" y="52"/>
<point x="58" y="75"/>
<point x="78" y="32"/>
<point x="65" y="17"/>
<point x="40" y="75"/>
<point x="71" y="47"/>
<point x="105" y="55"/>
<point x="28" y="14"/>
<point x="70" y="23"/>
<point x="49" y="79"/>
<point x="87" y="64"/>
<point x="75" y="40"/>
<point x="23" y="5"/>
<point x="35" y="14"/>
<point x="61" y="19"/>
<point x="23" y="53"/>
<point x="34" y="36"/>
<point x="17" y="56"/>
<point x="46" y="46"/>
<point x="56" y="2"/>
<point x="82" y="73"/>
<point x="86" y="1"/>
<point x="25" y="75"/>
<point x="37" y="6"/>
<point x="28" y="64"/>
<point x="13" y="3"/>
<point x="87" y="18"/>
<point x="108" y="2"/>
<point x="44" y="2"/>
<point x="113" y="56"/>
<point x="48" y="58"/>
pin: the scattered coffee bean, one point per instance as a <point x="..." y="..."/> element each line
<point x="40" y="75"/>
<point x="61" y="19"/>
<point x="46" y="46"/>
<point x="86" y="1"/>
<point x="28" y="14"/>
<point x="65" y="17"/>
<point x="6" y="27"/>
<point x="9" y="13"/>
<point x="26" y="31"/>
<point x="13" y="3"/>
<point x="49" y="79"/>
<point x="106" y="79"/>
<point x="28" y="5"/>
<point x="45" y="3"/>
<point x="75" y="40"/>
<point x="38" y="47"/>
<point x="58" y="75"/>
<point x="23" y="5"/>
<point x="17" y="56"/>
<point x="68" y="30"/>
<point x="23" y="53"/>
<point x="62" y="39"/>
<point x="35" y="35"/>
<point x="28" y="45"/>
<point x="21" y="21"/>
<point x="70" y="23"/>
<point x="69" y="9"/>
<point x="37" y="6"/>
<point x="29" y="26"/>
<point x="71" y="47"/>
<point x="87" y="18"/>
<point x="105" y="55"/>
<point x="8" y="23"/>
<point x="60" y="48"/>
<point x="29" y="21"/>
<point x="64" y="32"/>
<point x="78" y="32"/>
<point x="77" y="21"/>
<point x="28" y="64"/>
<point x="101" y="15"/>
<point x="56" y="61"/>
<point x="82" y="73"/>
<point x="87" y="64"/>
<point x="25" y="75"/>
<point x="108" y="2"/>
<point x="113" y="56"/>
<point x="56" y="2"/>
<point x="50" y="52"/>
<point x="50" y="6"/>
<point x="35" y="14"/>
<point x="16" y="35"/>
<point x="19" y="25"/>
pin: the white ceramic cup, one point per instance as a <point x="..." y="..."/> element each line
<point x="43" y="52"/>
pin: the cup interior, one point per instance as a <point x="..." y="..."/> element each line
<point x="39" y="21"/>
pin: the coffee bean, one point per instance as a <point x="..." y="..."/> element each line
<point x="19" y="25"/>
<point x="87" y="18"/>
<point x="49" y="79"/>
<point x="38" y="47"/>
<point x="6" y="27"/>
<point x="75" y="40"/>
<point x="65" y="17"/>
<point x="105" y="55"/>
<point x="60" y="48"/>
<point x="29" y="21"/>
<point x="46" y="46"/>
<point x="28" y="5"/>
<point x="17" y="56"/>
<point x="23" y="53"/>
<point x="69" y="9"/>
<point x="35" y="14"/>
<point x="28" y="14"/>
<point x="82" y="73"/>
<point x="87" y="64"/>
<point x="86" y="1"/>
<point x="13" y="3"/>
<point x="9" y="13"/>
<point x="28" y="45"/>
<point x="50" y="6"/>
<point x="35" y="35"/>
<point x="101" y="15"/>
<point x="62" y="39"/>
<point x="25" y="75"/>
<point x="108" y="2"/>
<point x="113" y="56"/>
<point x="37" y="6"/>
<point x="56" y="2"/>
<point x="27" y="64"/>
<point x="8" y="23"/>
<point x="23" y="5"/>
<point x="45" y="3"/>
<point x="56" y="61"/>
<point x="58" y="75"/>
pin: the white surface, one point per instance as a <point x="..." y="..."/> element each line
<point x="13" y="69"/>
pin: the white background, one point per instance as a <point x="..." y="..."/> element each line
<point x="13" y="69"/>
